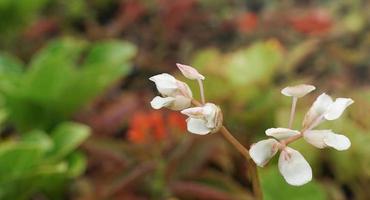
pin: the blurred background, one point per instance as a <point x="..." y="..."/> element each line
<point x="75" y="117"/>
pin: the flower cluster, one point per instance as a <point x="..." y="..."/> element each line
<point x="292" y="165"/>
<point x="176" y="95"/>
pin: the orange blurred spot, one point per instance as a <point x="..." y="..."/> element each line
<point x="313" y="22"/>
<point x="157" y="123"/>
<point x="247" y="22"/>
<point x="148" y="126"/>
<point x="177" y="120"/>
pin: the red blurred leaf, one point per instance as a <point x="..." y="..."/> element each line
<point x="40" y="29"/>
<point x="247" y="22"/>
<point x="312" y="22"/>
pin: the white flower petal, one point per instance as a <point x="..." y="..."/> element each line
<point x="197" y="126"/>
<point x="160" y="102"/>
<point x="262" y="151"/>
<point x="336" y="109"/>
<point x="194" y="112"/>
<point x="165" y="83"/>
<point x="294" y="167"/>
<point x="298" y="90"/>
<point x="180" y="103"/>
<point x="337" y="141"/>
<point x="190" y="72"/>
<point x="281" y="133"/>
<point x="317" y="110"/>
<point x="184" y="89"/>
<point x="327" y="138"/>
<point x="316" y="137"/>
<point x="210" y="113"/>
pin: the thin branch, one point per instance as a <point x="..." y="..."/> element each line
<point x="229" y="137"/>
<point x="251" y="166"/>
<point x="292" y="111"/>
<point x="201" y="88"/>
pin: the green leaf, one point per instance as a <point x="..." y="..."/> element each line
<point x="55" y="86"/>
<point x="19" y="158"/>
<point x="254" y="64"/>
<point x="39" y="138"/>
<point x="275" y="188"/>
<point x="67" y="137"/>
<point x="105" y="63"/>
<point x="76" y="164"/>
<point x="52" y="70"/>
<point x="10" y="72"/>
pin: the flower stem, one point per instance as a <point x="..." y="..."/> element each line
<point x="251" y="166"/>
<point x="292" y="112"/>
<point x="201" y="88"/>
<point x="291" y="139"/>
<point x="229" y="137"/>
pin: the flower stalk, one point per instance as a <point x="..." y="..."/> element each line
<point x="201" y="88"/>
<point x="292" y="112"/>
<point x="251" y="166"/>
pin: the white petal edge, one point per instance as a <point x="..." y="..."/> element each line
<point x="337" y="141"/>
<point x="281" y="133"/>
<point x="197" y="126"/>
<point x="194" y="112"/>
<point x="262" y="151"/>
<point x="316" y="137"/>
<point x="165" y="83"/>
<point x="298" y="90"/>
<point x="337" y="108"/>
<point x="327" y="138"/>
<point x="318" y="108"/>
<point x="160" y="102"/>
<point x="189" y="72"/>
<point x="294" y="167"/>
<point x="180" y="103"/>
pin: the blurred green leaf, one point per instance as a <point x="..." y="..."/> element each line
<point x="18" y="159"/>
<point x="66" y="138"/>
<point x="59" y="82"/>
<point x="256" y="63"/>
<point x="76" y="164"/>
<point x="104" y="64"/>
<point x="275" y="188"/>
<point x="39" y="162"/>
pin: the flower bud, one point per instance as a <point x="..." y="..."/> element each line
<point x="204" y="120"/>
<point x="190" y="72"/>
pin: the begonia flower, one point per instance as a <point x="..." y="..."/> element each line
<point x="203" y="120"/>
<point x="176" y="95"/>
<point x="292" y="165"/>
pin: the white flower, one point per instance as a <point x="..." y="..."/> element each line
<point x="190" y="72"/>
<point x="176" y="94"/>
<point x="203" y="120"/>
<point x="298" y="90"/>
<point x="325" y="108"/>
<point x="292" y="165"/>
